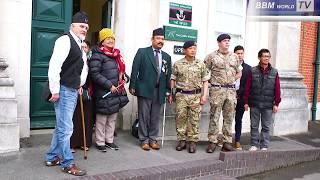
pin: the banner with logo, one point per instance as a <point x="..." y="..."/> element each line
<point x="180" y="14"/>
<point x="180" y="34"/>
<point x="292" y="9"/>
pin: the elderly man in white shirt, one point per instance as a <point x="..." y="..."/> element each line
<point x="67" y="72"/>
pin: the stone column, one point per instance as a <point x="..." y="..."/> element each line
<point x="293" y="112"/>
<point x="134" y="21"/>
<point x="15" y="33"/>
<point x="9" y="126"/>
<point x="283" y="41"/>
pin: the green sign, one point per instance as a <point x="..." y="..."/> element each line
<point x="180" y="34"/>
<point x="180" y="14"/>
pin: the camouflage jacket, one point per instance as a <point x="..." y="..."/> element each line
<point x="189" y="75"/>
<point x="223" y="68"/>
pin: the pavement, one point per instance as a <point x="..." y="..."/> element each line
<point x="302" y="171"/>
<point x="312" y="137"/>
<point x="28" y="163"/>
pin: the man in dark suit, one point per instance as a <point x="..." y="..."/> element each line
<point x="240" y="86"/>
<point x="150" y="81"/>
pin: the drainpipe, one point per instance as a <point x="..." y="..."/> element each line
<point x="316" y="77"/>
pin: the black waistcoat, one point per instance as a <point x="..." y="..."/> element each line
<point x="262" y="88"/>
<point x="72" y="67"/>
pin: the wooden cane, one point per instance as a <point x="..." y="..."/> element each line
<point x="83" y="129"/>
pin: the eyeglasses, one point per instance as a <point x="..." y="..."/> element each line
<point x="266" y="57"/>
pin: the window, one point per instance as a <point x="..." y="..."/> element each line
<point x="230" y="18"/>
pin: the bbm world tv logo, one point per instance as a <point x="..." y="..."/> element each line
<point x="283" y="10"/>
<point x="297" y="5"/>
<point x="305" y="6"/>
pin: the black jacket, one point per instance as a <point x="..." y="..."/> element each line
<point x="245" y="72"/>
<point x="104" y="73"/>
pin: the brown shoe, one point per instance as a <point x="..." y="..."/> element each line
<point x="74" y="170"/>
<point x="211" y="147"/>
<point x="192" y="147"/>
<point x="237" y="146"/>
<point x="55" y="162"/>
<point x="145" y="147"/>
<point x="181" y="145"/>
<point x="227" y="147"/>
<point x="155" y="146"/>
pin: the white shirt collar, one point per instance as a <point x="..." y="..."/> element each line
<point x="155" y="49"/>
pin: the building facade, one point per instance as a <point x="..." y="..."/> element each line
<point x="28" y="33"/>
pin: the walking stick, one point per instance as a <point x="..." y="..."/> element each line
<point x="83" y="129"/>
<point x="163" y="122"/>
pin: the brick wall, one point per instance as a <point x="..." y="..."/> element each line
<point x="230" y="164"/>
<point x="242" y="163"/>
<point x="308" y="46"/>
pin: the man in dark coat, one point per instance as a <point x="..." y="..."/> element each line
<point x="240" y="86"/>
<point x="150" y="81"/>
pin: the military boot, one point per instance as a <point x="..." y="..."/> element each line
<point x="211" y="147"/>
<point x="192" y="147"/>
<point x="181" y="145"/>
<point x="227" y="147"/>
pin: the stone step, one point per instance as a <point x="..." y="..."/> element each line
<point x="229" y="166"/>
<point x="186" y="170"/>
<point x="215" y="177"/>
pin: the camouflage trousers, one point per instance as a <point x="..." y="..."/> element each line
<point x="188" y="111"/>
<point x="221" y="99"/>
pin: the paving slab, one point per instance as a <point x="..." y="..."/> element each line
<point x="28" y="163"/>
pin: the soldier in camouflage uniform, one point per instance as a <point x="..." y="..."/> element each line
<point x="188" y="77"/>
<point x="225" y="70"/>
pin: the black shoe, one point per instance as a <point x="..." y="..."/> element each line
<point x="112" y="146"/>
<point x="181" y="145"/>
<point x="211" y="147"/>
<point x="101" y="148"/>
